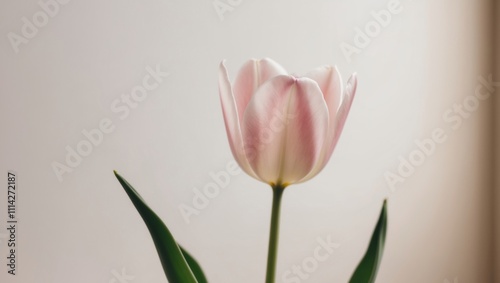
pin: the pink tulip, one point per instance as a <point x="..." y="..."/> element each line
<point x="282" y="129"/>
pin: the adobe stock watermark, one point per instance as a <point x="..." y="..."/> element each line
<point x="454" y="117"/>
<point x="30" y="26"/>
<point x="120" y="277"/>
<point x="221" y="179"/>
<point x="222" y="7"/>
<point x="201" y="198"/>
<point x="122" y="107"/>
<point x="364" y="36"/>
<point x="321" y="253"/>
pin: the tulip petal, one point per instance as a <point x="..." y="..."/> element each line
<point x="345" y="106"/>
<point x="336" y="125"/>
<point x="285" y="125"/>
<point x="250" y="77"/>
<point x="231" y="121"/>
<point x="330" y="83"/>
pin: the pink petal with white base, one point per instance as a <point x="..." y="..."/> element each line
<point x="231" y="121"/>
<point x="336" y="125"/>
<point x="285" y="124"/>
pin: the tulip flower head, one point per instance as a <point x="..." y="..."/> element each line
<point x="282" y="129"/>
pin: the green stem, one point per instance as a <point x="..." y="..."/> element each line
<point x="274" y="233"/>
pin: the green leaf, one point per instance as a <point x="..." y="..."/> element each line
<point x="366" y="272"/>
<point x="195" y="266"/>
<point x="174" y="263"/>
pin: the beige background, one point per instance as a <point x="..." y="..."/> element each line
<point x="84" y="229"/>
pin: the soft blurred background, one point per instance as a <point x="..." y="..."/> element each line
<point x="70" y="66"/>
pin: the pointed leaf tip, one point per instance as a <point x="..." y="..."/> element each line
<point x="173" y="259"/>
<point x="367" y="270"/>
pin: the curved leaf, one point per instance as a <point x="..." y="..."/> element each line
<point x="366" y="272"/>
<point x="174" y="263"/>
<point x="195" y="266"/>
